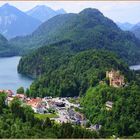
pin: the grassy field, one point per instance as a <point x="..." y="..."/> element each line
<point x="44" y="116"/>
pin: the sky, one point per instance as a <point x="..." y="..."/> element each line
<point x="119" y="11"/>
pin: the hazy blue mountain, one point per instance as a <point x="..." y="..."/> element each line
<point x="43" y="13"/>
<point x="125" y="26"/>
<point x="61" y="11"/>
<point x="136" y="30"/>
<point x="14" y="22"/>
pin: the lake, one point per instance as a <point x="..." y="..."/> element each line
<point x="135" y="67"/>
<point x="9" y="77"/>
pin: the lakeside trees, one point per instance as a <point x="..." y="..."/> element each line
<point x="20" y="90"/>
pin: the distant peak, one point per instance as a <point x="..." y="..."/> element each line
<point x="61" y="11"/>
<point x="40" y="6"/>
<point x="6" y="5"/>
<point x="91" y="11"/>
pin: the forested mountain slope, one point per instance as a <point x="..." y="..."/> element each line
<point x="64" y="73"/>
<point x="5" y="48"/>
<point x="123" y="119"/>
<point x="88" y="29"/>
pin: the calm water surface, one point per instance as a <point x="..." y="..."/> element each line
<point x="9" y="77"/>
<point x="135" y="67"/>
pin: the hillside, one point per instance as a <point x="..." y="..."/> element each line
<point x="5" y="48"/>
<point x="15" y="22"/>
<point x="63" y="73"/>
<point x="43" y="13"/>
<point x="119" y="120"/>
<point x="3" y="43"/>
<point x="88" y="29"/>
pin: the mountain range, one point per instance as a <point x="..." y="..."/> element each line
<point x="14" y="22"/>
<point x="85" y="30"/>
<point x="88" y="29"/>
<point x="11" y="19"/>
<point x="43" y="13"/>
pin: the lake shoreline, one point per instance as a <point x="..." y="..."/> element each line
<point x="10" y="79"/>
<point x="134" y="67"/>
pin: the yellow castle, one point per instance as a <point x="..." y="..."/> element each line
<point x="115" y="78"/>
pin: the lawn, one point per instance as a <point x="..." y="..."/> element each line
<point x="44" y="116"/>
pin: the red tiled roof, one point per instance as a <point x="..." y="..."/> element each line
<point x="20" y="95"/>
<point x="34" y="102"/>
<point x="9" y="92"/>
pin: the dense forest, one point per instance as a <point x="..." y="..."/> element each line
<point x="123" y="120"/>
<point x="18" y="121"/>
<point x="68" y="74"/>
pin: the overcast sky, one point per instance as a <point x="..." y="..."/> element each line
<point x="125" y="11"/>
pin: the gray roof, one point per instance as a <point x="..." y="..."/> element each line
<point x="109" y="103"/>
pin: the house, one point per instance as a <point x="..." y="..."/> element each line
<point x="22" y="97"/>
<point x="8" y="92"/>
<point x="36" y="105"/>
<point x="8" y="100"/>
<point x="60" y="104"/>
<point x="76" y="117"/>
<point x="48" y="97"/>
<point x="109" y="105"/>
<point x="79" y="116"/>
<point x="84" y="122"/>
<point x="28" y="99"/>
<point x="96" y="127"/>
<point x="51" y="104"/>
<point x="115" y="78"/>
<point x="45" y="102"/>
